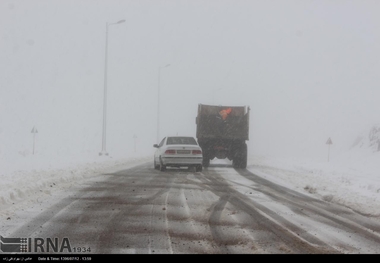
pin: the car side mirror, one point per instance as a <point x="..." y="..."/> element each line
<point x="155" y="145"/>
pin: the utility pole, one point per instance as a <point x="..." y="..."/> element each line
<point x="104" y="151"/>
<point x="158" y="102"/>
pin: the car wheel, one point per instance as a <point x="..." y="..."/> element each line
<point x="155" y="164"/>
<point x="162" y="167"/>
<point x="192" y="168"/>
<point x="198" y="168"/>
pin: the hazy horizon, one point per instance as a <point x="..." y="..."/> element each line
<point x="307" y="69"/>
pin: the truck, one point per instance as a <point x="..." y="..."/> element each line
<point x="222" y="132"/>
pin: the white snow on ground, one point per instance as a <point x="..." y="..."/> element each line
<point x="351" y="179"/>
<point x="25" y="179"/>
<point x="352" y="183"/>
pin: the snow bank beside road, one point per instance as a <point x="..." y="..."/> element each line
<point x="18" y="184"/>
<point x="353" y="180"/>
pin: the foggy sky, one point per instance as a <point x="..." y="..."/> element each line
<point x="307" y="69"/>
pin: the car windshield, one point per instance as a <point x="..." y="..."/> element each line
<point x="181" y="140"/>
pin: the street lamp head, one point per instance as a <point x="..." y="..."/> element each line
<point x="121" y="21"/>
<point x="167" y="65"/>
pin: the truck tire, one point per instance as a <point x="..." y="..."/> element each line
<point x="206" y="159"/>
<point x="206" y="162"/>
<point x="244" y="156"/>
<point x="240" y="157"/>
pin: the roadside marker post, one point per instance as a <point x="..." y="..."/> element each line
<point x="34" y="131"/>
<point x="329" y="142"/>
<point x="134" y="142"/>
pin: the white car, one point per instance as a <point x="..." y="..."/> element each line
<point x="178" y="151"/>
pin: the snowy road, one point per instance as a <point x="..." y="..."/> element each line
<point x="219" y="210"/>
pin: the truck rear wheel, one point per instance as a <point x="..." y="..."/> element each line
<point x="206" y="162"/>
<point x="206" y="159"/>
<point x="240" y="157"/>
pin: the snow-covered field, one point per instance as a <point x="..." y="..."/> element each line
<point x="352" y="180"/>
<point x="30" y="183"/>
<point x="31" y="175"/>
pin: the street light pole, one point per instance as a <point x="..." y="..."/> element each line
<point x="158" y="102"/>
<point x="104" y="151"/>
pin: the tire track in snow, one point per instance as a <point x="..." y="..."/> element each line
<point x="262" y="217"/>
